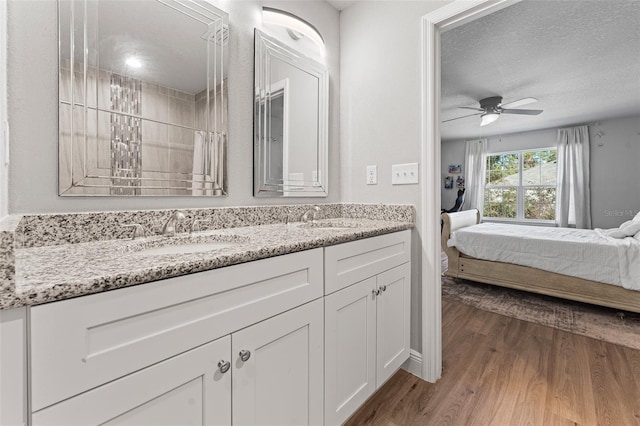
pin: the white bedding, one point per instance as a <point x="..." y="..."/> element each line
<point x="587" y="254"/>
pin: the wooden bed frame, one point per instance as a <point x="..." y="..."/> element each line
<point x="532" y="279"/>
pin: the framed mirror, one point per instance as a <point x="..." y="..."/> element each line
<point x="290" y="122"/>
<point x="142" y="98"/>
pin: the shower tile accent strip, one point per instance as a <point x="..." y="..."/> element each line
<point x="126" y="135"/>
<point x="51" y="257"/>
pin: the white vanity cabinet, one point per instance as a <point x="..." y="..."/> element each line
<point x="249" y="344"/>
<point x="129" y="355"/>
<point x="268" y="373"/>
<point x="366" y="321"/>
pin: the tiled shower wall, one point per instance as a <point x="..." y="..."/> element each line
<point x="167" y="148"/>
<point x="163" y="147"/>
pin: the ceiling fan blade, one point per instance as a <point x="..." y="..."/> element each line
<point x="520" y="102"/>
<point x="522" y="111"/>
<point x="464" y="116"/>
<point x="475" y="109"/>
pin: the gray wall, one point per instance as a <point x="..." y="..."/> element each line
<point x="615" y="156"/>
<point x="32" y="102"/>
<point x="615" y="171"/>
<point x="380" y="113"/>
<point x="451" y="153"/>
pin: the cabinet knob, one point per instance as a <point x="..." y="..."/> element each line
<point x="245" y="355"/>
<point x="376" y="292"/>
<point x="224" y="366"/>
<point x="383" y="287"/>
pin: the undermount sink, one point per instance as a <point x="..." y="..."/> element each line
<point x="187" y="244"/>
<point x="329" y="225"/>
<point x="186" y="248"/>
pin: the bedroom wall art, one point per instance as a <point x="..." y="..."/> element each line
<point x="448" y="182"/>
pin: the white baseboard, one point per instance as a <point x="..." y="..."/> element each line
<point x="414" y="364"/>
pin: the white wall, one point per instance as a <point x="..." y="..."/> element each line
<point x="380" y="50"/>
<point x="4" y="171"/>
<point x="615" y="156"/>
<point x="32" y="103"/>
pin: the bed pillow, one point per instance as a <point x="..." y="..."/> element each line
<point x="632" y="229"/>
<point x="636" y="218"/>
<point x="627" y="229"/>
<point x="627" y="223"/>
<point x="615" y="233"/>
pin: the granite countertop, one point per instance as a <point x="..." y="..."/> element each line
<point x="57" y="272"/>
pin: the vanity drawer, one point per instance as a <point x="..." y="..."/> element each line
<point x="81" y="343"/>
<point x="348" y="263"/>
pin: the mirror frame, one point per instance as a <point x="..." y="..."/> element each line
<point x="79" y="173"/>
<point x="266" y="49"/>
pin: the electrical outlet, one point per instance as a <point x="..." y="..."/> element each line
<point x="404" y="174"/>
<point x="372" y="175"/>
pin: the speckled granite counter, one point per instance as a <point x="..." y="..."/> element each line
<point x="48" y="273"/>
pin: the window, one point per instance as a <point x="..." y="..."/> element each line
<point x="521" y="185"/>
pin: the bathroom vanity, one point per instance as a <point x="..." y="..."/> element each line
<point x="302" y="334"/>
<point x="236" y="341"/>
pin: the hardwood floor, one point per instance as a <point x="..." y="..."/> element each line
<point x="503" y="371"/>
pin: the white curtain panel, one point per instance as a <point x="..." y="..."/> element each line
<point x="475" y="168"/>
<point x="197" y="177"/>
<point x="573" y="196"/>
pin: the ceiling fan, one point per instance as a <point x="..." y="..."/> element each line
<point x="491" y="108"/>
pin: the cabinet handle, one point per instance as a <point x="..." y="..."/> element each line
<point x="224" y="366"/>
<point x="245" y="355"/>
<point x="383" y="287"/>
<point x="376" y="292"/>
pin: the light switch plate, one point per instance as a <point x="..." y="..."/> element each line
<point x="404" y="174"/>
<point x="372" y="175"/>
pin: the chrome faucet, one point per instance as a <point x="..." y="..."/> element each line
<point x="169" y="228"/>
<point x="138" y="230"/>
<point x="312" y="214"/>
<point x="195" y="223"/>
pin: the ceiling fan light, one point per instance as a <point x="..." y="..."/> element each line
<point x="488" y="118"/>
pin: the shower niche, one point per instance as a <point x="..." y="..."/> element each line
<point x="142" y="98"/>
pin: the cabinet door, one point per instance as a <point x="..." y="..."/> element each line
<point x="350" y="339"/>
<point x="393" y="319"/>
<point x="188" y="389"/>
<point x="280" y="381"/>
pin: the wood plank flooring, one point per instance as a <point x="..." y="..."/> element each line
<point x="503" y="371"/>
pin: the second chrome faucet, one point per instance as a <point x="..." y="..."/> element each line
<point x="169" y="228"/>
<point x="311" y="214"/>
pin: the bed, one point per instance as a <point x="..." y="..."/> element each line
<point x="583" y="265"/>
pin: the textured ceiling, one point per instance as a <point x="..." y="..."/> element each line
<point x="580" y="59"/>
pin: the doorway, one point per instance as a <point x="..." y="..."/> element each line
<point x="445" y="18"/>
